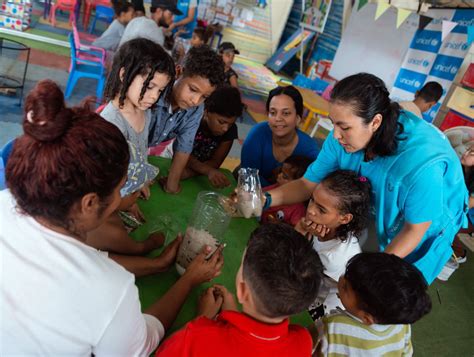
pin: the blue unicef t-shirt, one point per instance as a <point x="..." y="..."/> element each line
<point x="432" y="191"/>
<point x="257" y="151"/>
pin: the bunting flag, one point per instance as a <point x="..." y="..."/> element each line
<point x="470" y="35"/>
<point x="381" y="8"/>
<point x="362" y="3"/>
<point x="402" y="16"/>
<point x="424" y="21"/>
<point x="446" y="29"/>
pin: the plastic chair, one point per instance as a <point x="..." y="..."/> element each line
<point x="103" y="13"/>
<point x="65" y="5"/>
<point x="81" y="68"/>
<point x="6" y="151"/>
<point x="86" y="52"/>
<point x="88" y="6"/>
<point x="4" y="155"/>
<point x="327" y="92"/>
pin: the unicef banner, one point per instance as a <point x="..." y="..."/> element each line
<point x="430" y="59"/>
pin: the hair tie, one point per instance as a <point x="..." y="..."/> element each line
<point x="362" y="179"/>
<point x="29" y="117"/>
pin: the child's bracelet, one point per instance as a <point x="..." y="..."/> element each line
<point x="268" y="201"/>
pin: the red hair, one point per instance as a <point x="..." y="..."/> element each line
<point x="64" y="154"/>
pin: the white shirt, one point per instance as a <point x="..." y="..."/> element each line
<point x="143" y="27"/>
<point x="335" y="254"/>
<point x="61" y="297"/>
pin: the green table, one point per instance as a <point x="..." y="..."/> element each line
<point x="172" y="212"/>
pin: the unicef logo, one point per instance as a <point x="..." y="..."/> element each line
<point x="426" y="63"/>
<point x="417" y="84"/>
<point x="464" y="47"/>
<point x="434" y="42"/>
<point x="453" y="70"/>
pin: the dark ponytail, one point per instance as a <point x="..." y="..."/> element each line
<point x="368" y="96"/>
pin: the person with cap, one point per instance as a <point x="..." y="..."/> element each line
<point x="162" y="12"/>
<point x="228" y="51"/>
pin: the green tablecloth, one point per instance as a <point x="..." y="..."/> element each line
<point x="170" y="214"/>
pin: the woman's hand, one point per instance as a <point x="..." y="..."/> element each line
<point x="201" y="269"/>
<point x="218" y="179"/>
<point x="210" y="303"/>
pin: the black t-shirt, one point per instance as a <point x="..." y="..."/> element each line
<point x="205" y="144"/>
<point x="228" y="74"/>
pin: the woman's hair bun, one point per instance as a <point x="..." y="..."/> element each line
<point x="46" y="116"/>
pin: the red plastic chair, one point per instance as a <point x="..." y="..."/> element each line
<point x="65" y="5"/>
<point x="89" y="5"/>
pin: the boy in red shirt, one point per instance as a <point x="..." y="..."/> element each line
<point x="279" y="276"/>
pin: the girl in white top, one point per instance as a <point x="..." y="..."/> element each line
<point x="141" y="72"/>
<point x="337" y="213"/>
<point x="59" y="296"/>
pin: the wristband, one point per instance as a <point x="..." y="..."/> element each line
<point x="268" y="201"/>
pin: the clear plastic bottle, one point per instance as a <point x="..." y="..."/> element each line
<point x="249" y="193"/>
<point x="207" y="226"/>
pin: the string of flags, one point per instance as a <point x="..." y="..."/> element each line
<point x="403" y="14"/>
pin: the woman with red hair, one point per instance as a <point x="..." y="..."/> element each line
<point x="60" y="296"/>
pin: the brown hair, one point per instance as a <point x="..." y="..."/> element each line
<point x="63" y="154"/>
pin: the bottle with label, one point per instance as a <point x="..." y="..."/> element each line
<point x="249" y="193"/>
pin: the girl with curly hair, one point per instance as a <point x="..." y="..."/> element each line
<point x="337" y="214"/>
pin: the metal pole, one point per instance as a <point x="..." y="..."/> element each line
<point x="302" y="37"/>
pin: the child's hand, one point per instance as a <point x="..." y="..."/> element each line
<point x="218" y="179"/>
<point x="202" y="269"/>
<point x="167" y="187"/>
<point x="135" y="211"/>
<point x="301" y="227"/>
<point x="210" y="303"/>
<point x="145" y="192"/>
<point x="229" y="300"/>
<point x="318" y="230"/>
<point x="168" y="255"/>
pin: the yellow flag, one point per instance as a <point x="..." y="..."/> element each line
<point x="381" y="8"/>
<point x="402" y="16"/>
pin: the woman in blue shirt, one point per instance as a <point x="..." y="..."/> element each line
<point x="270" y="143"/>
<point x="419" y="196"/>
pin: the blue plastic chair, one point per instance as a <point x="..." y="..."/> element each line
<point x="103" y="13"/>
<point x="4" y="155"/>
<point x="317" y="84"/>
<point x="82" y="68"/>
